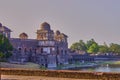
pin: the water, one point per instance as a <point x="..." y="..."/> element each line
<point x="103" y="68"/>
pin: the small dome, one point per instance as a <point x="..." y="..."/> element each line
<point x="57" y="32"/>
<point x="23" y="36"/>
<point x="45" y="26"/>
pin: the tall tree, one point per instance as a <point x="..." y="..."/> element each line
<point x="5" y="47"/>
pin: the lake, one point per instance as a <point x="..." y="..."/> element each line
<point x="102" y="68"/>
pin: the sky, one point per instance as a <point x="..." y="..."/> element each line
<point x="79" y="19"/>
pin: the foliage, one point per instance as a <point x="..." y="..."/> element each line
<point x="5" y="47"/>
<point x="75" y="46"/>
<point x="91" y="46"/>
<point x="1" y="55"/>
<point x="115" y="48"/>
<point x="43" y="68"/>
<point x="79" y="46"/>
<point x="89" y="43"/>
<point x="103" y="48"/>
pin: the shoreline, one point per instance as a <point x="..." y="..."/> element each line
<point x="80" y="66"/>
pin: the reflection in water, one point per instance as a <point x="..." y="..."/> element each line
<point x="103" y="68"/>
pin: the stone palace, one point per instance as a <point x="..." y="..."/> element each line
<point x="48" y="49"/>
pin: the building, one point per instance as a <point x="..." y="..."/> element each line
<point x="5" y="31"/>
<point x="48" y="49"/>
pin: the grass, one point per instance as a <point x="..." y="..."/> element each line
<point x="117" y="62"/>
<point x="111" y="62"/>
<point x="28" y="65"/>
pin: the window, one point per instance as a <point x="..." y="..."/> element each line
<point x="41" y="50"/>
<point x="19" y="49"/>
<point x="46" y="50"/>
<point x="53" y="49"/>
<point x="65" y="52"/>
<point x="62" y="51"/>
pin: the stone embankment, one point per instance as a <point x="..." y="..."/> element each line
<point x="61" y="74"/>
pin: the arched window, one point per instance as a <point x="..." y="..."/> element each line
<point x="65" y="51"/>
<point x="19" y="49"/>
<point x="25" y="50"/>
<point x="61" y="51"/>
<point x="41" y="50"/>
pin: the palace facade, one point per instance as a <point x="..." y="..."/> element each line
<point x="49" y="49"/>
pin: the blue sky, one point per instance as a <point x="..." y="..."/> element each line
<point x="79" y="19"/>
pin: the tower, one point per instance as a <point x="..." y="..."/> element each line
<point x="45" y="32"/>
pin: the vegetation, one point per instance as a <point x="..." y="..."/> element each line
<point x="79" y="46"/>
<point x="91" y="46"/>
<point x="111" y="63"/>
<point x="27" y="65"/>
<point x="5" y="47"/>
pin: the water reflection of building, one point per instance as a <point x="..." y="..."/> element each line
<point x="48" y="49"/>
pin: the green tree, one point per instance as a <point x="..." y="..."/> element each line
<point x="103" y="48"/>
<point x="75" y="46"/>
<point x="1" y="55"/>
<point x="82" y="45"/>
<point x="5" y="47"/>
<point x="89" y="43"/>
<point x="79" y="46"/>
<point x="115" y="48"/>
<point x="94" y="48"/>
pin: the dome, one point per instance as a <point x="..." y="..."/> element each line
<point x="45" y="26"/>
<point x="57" y="32"/>
<point x="23" y="35"/>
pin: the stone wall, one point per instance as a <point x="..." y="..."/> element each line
<point x="61" y="74"/>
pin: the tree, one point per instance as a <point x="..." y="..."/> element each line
<point x="79" y="46"/>
<point x="103" y="48"/>
<point x="75" y="46"/>
<point x="115" y="48"/>
<point x="82" y="45"/>
<point x="5" y="47"/>
<point x="89" y="43"/>
<point x="93" y="48"/>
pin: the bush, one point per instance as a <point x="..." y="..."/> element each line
<point x="43" y="68"/>
<point x="8" y="55"/>
<point x="1" y="55"/>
